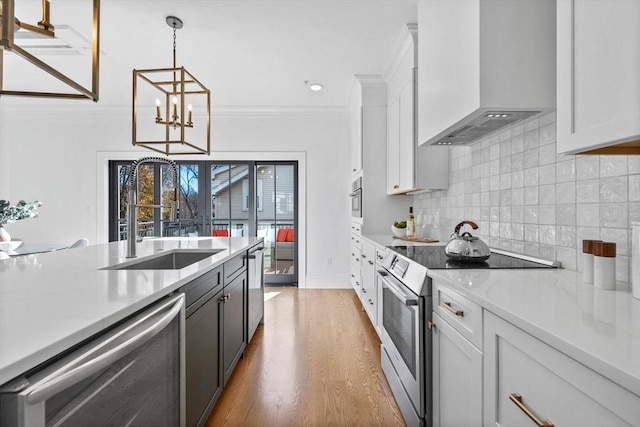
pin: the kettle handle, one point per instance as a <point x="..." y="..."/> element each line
<point x="471" y="223"/>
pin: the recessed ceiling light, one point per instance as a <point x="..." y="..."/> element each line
<point x="315" y="86"/>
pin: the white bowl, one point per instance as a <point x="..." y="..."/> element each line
<point x="399" y="232"/>
<point x="10" y="246"/>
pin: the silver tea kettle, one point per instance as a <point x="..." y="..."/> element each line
<point x="465" y="247"/>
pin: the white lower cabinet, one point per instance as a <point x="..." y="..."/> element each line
<point x="379" y="257"/>
<point x="369" y="295"/>
<point x="529" y="383"/>
<point x="457" y="359"/>
<point x="356" y="254"/>
<point x="364" y="280"/>
<point x="457" y="378"/>
<point x="356" y="279"/>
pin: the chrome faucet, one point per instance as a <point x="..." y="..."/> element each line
<point x="132" y="205"/>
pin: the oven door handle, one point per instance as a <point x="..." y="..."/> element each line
<point x="61" y="380"/>
<point x="405" y="297"/>
<point x="355" y="193"/>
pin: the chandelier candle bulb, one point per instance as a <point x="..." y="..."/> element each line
<point x="604" y="265"/>
<point x="587" y="260"/>
<point x="189" y="107"/>
<point x="175" y="108"/>
<point x="158" y="115"/>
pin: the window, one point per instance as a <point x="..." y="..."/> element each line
<point x="245" y="195"/>
<point x="223" y="198"/>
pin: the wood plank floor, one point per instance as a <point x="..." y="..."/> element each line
<point x="315" y="362"/>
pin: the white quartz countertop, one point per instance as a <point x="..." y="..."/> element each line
<point x="600" y="329"/>
<point x="50" y="302"/>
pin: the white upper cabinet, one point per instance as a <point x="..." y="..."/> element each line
<point x="598" y="74"/>
<point x="409" y="169"/>
<point x="482" y="65"/>
<point x="356" y="139"/>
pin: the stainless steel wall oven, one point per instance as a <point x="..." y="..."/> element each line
<point x="356" y="198"/>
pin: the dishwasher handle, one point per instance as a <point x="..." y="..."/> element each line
<point x="256" y="252"/>
<point x="62" y="380"/>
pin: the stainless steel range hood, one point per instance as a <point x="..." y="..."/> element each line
<point x="483" y="125"/>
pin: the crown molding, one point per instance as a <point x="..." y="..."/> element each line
<point x="279" y="111"/>
<point x="407" y="40"/>
<point x="370" y="80"/>
<point x="222" y="111"/>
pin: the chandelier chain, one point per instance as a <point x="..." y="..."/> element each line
<point x="174" y="45"/>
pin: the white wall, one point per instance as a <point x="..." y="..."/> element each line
<point x="54" y="151"/>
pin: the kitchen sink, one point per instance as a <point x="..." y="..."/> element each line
<point x="174" y="260"/>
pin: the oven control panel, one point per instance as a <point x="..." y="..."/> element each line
<point x="399" y="266"/>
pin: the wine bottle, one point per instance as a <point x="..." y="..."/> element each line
<point x="411" y="224"/>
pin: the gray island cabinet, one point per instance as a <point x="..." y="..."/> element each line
<point x="216" y="334"/>
<point x="234" y="314"/>
<point x="203" y="380"/>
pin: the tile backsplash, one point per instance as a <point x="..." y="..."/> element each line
<point x="528" y="199"/>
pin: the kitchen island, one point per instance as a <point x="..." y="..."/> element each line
<point x="51" y="302"/>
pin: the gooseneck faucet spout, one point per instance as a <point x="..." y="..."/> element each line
<point x="132" y="205"/>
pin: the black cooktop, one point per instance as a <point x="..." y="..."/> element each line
<point x="433" y="257"/>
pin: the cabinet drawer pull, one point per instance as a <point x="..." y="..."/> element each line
<point x="449" y="307"/>
<point x="517" y="399"/>
<point x="431" y="326"/>
<point x="396" y="186"/>
<point x="364" y="290"/>
<point x="370" y="262"/>
<point x="358" y="259"/>
<point x="364" y="256"/>
<point x="370" y="302"/>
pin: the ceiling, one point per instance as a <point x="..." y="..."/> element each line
<point x="250" y="53"/>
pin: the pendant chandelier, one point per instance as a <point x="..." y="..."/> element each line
<point x="182" y="108"/>
<point x="11" y="28"/>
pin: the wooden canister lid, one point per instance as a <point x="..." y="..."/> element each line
<point x="604" y="249"/>
<point x="587" y="246"/>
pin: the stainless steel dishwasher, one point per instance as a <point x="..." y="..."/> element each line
<point x="256" y="288"/>
<point x="131" y="375"/>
